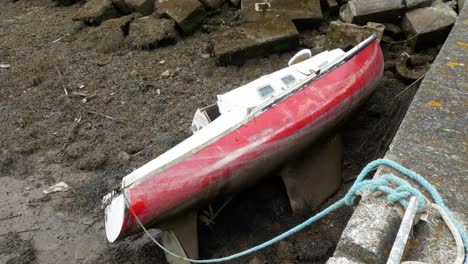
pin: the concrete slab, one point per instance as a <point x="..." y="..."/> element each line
<point x="362" y="11"/>
<point x="302" y="12"/>
<point x="428" y="26"/>
<point x="255" y="39"/>
<point x="432" y="140"/>
<point x="95" y="11"/>
<point x="149" y="32"/>
<point x="187" y="13"/>
<point x="344" y="35"/>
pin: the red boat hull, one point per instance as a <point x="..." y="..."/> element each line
<point x="248" y="153"/>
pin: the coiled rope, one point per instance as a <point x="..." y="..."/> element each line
<point x="400" y="193"/>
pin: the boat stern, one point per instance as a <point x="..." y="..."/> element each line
<point x="114" y="216"/>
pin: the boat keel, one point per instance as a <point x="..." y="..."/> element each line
<point x="315" y="175"/>
<point x="180" y="236"/>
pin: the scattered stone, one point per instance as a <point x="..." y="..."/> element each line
<point x="254" y="39"/>
<point x="412" y="4"/>
<point x="111" y="34"/>
<point x="343" y="35"/>
<point x="123" y="156"/>
<point x="213" y="4"/>
<point x="362" y="11"/>
<point x="428" y="26"/>
<point x="187" y="13"/>
<point x="145" y="7"/>
<point x="165" y="73"/>
<point x="5" y="66"/>
<point x="92" y="162"/>
<point x="302" y="12"/>
<point x="59" y="187"/>
<point x="95" y="11"/>
<point x="205" y="55"/>
<point x="149" y="32"/>
<point x="406" y="73"/>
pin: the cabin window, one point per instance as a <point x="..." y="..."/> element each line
<point x="288" y="80"/>
<point x="265" y="90"/>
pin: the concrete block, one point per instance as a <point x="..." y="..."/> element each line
<point x="302" y="12"/>
<point x="254" y="39"/>
<point x="111" y="33"/>
<point x="412" y="4"/>
<point x="343" y="35"/>
<point x="95" y="11"/>
<point x="420" y="25"/>
<point x="145" y="7"/>
<point x="187" y="13"/>
<point x="363" y="11"/>
<point x="212" y="4"/>
<point x="149" y="32"/>
<point x="371" y="231"/>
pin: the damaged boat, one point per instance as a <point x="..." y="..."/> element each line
<point x="246" y="134"/>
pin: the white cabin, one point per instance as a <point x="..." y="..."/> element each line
<point x="252" y="95"/>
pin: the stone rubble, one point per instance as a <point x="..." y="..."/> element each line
<point x="254" y="39"/>
<point x="149" y="32"/>
<point x="188" y="14"/>
<point x="95" y="11"/>
<point x="429" y="25"/>
<point x="262" y="28"/>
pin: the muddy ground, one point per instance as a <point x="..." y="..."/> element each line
<point x="132" y="114"/>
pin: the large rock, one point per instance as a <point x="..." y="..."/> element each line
<point x="187" y="13"/>
<point x="149" y="32"/>
<point x="95" y="11"/>
<point x="363" y="11"/>
<point x="343" y="35"/>
<point x="144" y="7"/>
<point x="428" y="26"/>
<point x="254" y="39"/>
<point x="302" y="12"/>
